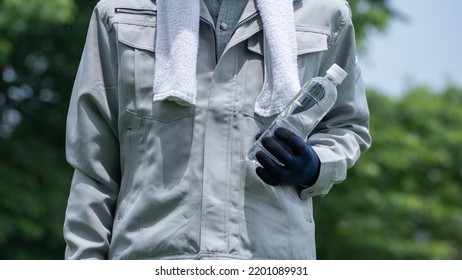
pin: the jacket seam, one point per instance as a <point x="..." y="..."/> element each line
<point x="341" y="23"/>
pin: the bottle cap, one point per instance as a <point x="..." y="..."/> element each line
<point x="336" y="73"/>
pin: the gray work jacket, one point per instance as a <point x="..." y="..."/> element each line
<point x="155" y="180"/>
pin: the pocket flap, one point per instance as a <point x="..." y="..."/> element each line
<point x="307" y="42"/>
<point x="136" y="36"/>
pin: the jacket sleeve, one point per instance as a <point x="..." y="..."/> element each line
<point x="343" y="134"/>
<point x="92" y="147"/>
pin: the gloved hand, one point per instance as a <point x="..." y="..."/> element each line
<point x="301" y="163"/>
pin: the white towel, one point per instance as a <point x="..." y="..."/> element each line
<point x="176" y="50"/>
<point x="177" y="46"/>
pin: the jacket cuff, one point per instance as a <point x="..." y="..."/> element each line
<point x="332" y="171"/>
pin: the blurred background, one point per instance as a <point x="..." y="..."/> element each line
<point x="401" y="201"/>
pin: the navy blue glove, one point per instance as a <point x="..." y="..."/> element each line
<point x="301" y="163"/>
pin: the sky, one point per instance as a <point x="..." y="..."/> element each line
<point x="424" y="49"/>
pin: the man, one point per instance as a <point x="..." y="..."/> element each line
<point x="168" y="99"/>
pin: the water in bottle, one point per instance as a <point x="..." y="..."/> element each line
<point x="305" y="110"/>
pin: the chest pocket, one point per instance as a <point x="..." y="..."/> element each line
<point x="136" y="48"/>
<point x="310" y="46"/>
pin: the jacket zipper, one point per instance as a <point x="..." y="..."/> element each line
<point x="244" y="21"/>
<point x="214" y="36"/>
<point x="144" y="12"/>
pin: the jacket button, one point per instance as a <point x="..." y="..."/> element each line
<point x="223" y="26"/>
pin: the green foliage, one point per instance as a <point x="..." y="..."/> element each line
<point x="20" y="16"/>
<point x="402" y="199"/>
<point x="369" y="16"/>
<point x="39" y="55"/>
<point x="33" y="192"/>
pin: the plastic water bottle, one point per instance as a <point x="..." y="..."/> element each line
<point x="305" y="110"/>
